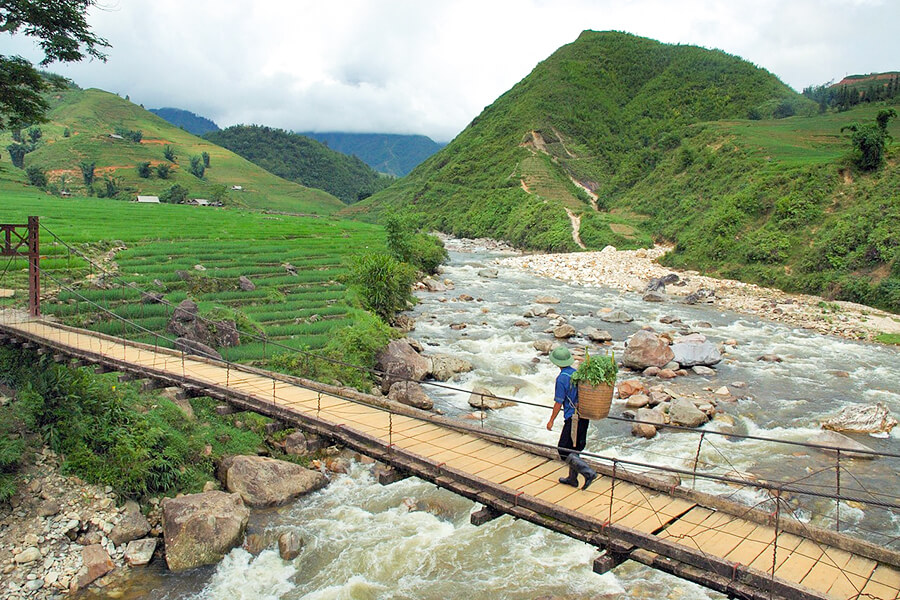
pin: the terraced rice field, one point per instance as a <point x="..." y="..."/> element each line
<point x="296" y="264"/>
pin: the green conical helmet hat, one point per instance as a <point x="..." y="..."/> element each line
<point x="561" y="357"/>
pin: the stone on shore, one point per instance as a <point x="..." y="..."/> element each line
<point x="694" y="349"/>
<point x="290" y="544"/>
<point x="445" y="366"/>
<point x="399" y="361"/>
<point x="139" y="552"/>
<point x="617" y="316"/>
<point x="200" y="529"/>
<point x="646" y="349"/>
<point x="564" y="332"/>
<point x="410" y="393"/>
<point x="684" y="413"/>
<point x="263" y="482"/>
<point x="97" y="563"/>
<point x="547" y="300"/>
<point x="597" y="335"/>
<point x="482" y="398"/>
<point x="838" y="440"/>
<point x="132" y="526"/>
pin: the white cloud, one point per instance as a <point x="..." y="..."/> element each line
<point x="413" y="66"/>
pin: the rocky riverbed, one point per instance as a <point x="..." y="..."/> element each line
<point x="632" y="270"/>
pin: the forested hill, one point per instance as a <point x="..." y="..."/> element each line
<point x="185" y="119"/>
<point x="388" y="153"/>
<point x="303" y="160"/>
<point x="641" y="140"/>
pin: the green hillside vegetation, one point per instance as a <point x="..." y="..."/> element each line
<point x="393" y="154"/>
<point x="301" y="159"/>
<point x="679" y="144"/>
<point x="79" y="130"/>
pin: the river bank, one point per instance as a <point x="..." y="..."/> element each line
<point x="631" y="270"/>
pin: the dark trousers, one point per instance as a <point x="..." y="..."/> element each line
<point x="566" y="447"/>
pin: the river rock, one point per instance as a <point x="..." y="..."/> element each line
<point x="648" y="421"/>
<point x="48" y="508"/>
<point x="289" y="545"/>
<point x="770" y="358"/>
<point x="629" y="387"/>
<point x="862" y="419"/>
<point x="399" y="361"/>
<point x="410" y="393"/>
<point x="694" y="349"/>
<point x="704" y="371"/>
<point x="654" y="296"/>
<point x="597" y="335"/>
<point x="637" y="401"/>
<point x="445" y="366"/>
<point x="263" y="482"/>
<point x="200" y="529"/>
<point x="547" y="300"/>
<point x="563" y="332"/>
<point x="132" y="526"/>
<point x="139" y="552"/>
<point x="646" y="349"/>
<point x="683" y="412"/>
<point x="432" y="285"/>
<point x="488" y="273"/>
<point x="295" y="444"/>
<point x="617" y="316"/>
<point x="543" y="346"/>
<point x="482" y="398"/>
<point x="839" y="440"/>
<point x="97" y="563"/>
<point x="701" y="296"/>
<point x="28" y="555"/>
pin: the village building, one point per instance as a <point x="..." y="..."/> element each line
<point x="147" y="199"/>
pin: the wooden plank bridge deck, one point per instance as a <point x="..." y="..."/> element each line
<point x="733" y="549"/>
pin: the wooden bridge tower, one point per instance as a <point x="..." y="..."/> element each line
<point x="22" y="241"/>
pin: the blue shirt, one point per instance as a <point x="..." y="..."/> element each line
<point x="566" y="392"/>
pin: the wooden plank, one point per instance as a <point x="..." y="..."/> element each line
<point x="753" y="545"/>
<point x="551" y="467"/>
<point x="827" y="570"/>
<point x="787" y="542"/>
<point x="556" y="493"/>
<point x="579" y="499"/>
<point x="853" y="579"/>
<point x="526" y="462"/>
<point x="453" y="440"/>
<point x="498" y="474"/>
<point x="432" y="435"/>
<point x="521" y="480"/>
<point x="801" y="561"/>
<point x="538" y="487"/>
<point x="884" y="583"/>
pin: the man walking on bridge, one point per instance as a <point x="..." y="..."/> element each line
<point x="574" y="433"/>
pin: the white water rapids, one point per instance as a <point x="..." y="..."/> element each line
<point x="411" y="540"/>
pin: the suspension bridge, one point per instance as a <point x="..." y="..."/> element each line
<point x="756" y="552"/>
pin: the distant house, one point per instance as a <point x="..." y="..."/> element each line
<point x="237" y="188"/>
<point x="199" y="202"/>
<point x="147" y="199"/>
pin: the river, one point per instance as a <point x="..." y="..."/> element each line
<point x="412" y="540"/>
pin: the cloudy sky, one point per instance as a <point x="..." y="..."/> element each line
<point x="429" y="66"/>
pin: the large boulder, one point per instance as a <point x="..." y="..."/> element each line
<point x="445" y="366"/>
<point x="200" y="529"/>
<point x="399" y="362"/>
<point x="617" y="316"/>
<point x="597" y="335"/>
<point x="95" y="564"/>
<point x="263" y="482"/>
<point x="196" y="348"/>
<point x="563" y="331"/>
<point x="410" y="393"/>
<point x="684" y="413"/>
<point x="862" y="419"/>
<point x="694" y="349"/>
<point x="187" y="324"/>
<point x="646" y="349"/>
<point x="245" y="284"/>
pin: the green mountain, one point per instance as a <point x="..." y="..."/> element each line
<point x="93" y="126"/>
<point x="388" y="153"/>
<point x="190" y="122"/>
<point x="301" y="159"/>
<point x="616" y="139"/>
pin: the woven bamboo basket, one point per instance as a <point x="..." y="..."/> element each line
<point x="594" y="400"/>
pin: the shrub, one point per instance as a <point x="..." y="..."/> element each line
<point x="205" y="156"/>
<point x="169" y="153"/>
<point x="175" y="194"/>
<point x="143" y="169"/>
<point x="17" y="154"/>
<point x="66" y="132"/>
<point x="162" y="170"/>
<point x="87" y="173"/>
<point x="382" y="283"/>
<point x="36" y="176"/>
<point x="424" y="252"/>
<point x="197" y="168"/>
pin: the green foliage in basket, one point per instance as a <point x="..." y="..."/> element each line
<point x="597" y="370"/>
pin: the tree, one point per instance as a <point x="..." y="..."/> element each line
<point x="87" y="172"/>
<point x="205" y="156"/>
<point x="36" y="176"/>
<point x="175" y="194"/>
<point x="197" y="167"/>
<point x="17" y="154"/>
<point x="34" y="134"/>
<point x="143" y="169"/>
<point x="64" y="35"/>
<point x="169" y="153"/>
<point x="66" y="132"/>
<point x="112" y="185"/>
<point x="162" y="170"/>
<point x="870" y="139"/>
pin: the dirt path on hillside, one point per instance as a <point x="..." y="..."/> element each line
<point x="630" y="270"/>
<point x="576" y="227"/>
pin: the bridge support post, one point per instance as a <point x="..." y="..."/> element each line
<point x="34" y="273"/>
<point x="386" y="475"/>
<point x="484" y="515"/>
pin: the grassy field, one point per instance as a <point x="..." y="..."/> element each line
<point x="90" y="116"/>
<point x="213" y="246"/>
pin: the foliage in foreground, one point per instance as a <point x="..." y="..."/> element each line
<point x="110" y="434"/>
